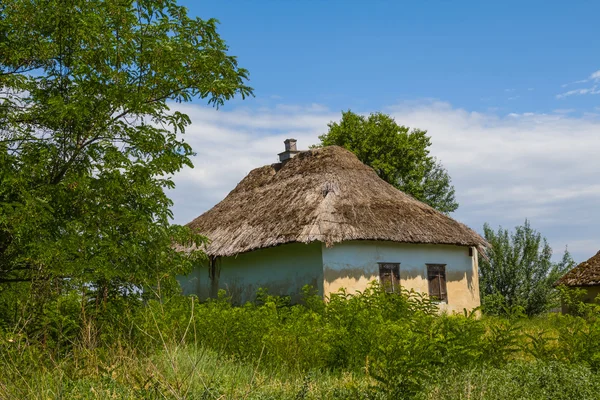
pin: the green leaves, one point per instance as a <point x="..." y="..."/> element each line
<point x="519" y="271"/>
<point x="399" y="156"/>
<point x="88" y="143"/>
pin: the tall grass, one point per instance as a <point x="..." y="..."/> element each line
<point x="370" y="345"/>
<point x="516" y="380"/>
<point x="186" y="372"/>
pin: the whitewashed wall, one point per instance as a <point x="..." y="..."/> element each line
<point x="283" y="270"/>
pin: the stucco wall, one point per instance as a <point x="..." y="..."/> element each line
<point x="592" y="293"/>
<point x="283" y="270"/>
<point x="353" y="265"/>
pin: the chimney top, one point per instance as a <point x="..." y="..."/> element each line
<point x="290" y="150"/>
<point x="290" y="144"/>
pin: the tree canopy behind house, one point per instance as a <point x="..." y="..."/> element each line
<point x="399" y="155"/>
<point x="87" y="140"/>
<point x="519" y="272"/>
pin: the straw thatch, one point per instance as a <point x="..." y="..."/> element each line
<point x="324" y="195"/>
<point x="585" y="274"/>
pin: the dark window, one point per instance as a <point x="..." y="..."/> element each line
<point x="436" y="275"/>
<point x="389" y="276"/>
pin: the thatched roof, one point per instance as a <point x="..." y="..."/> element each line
<point x="585" y="274"/>
<point x="324" y="195"/>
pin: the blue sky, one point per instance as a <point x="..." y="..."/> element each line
<point x="509" y="92"/>
<point x="511" y="55"/>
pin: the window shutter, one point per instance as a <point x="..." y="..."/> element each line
<point x="436" y="275"/>
<point x="389" y="276"/>
<point x="434" y="286"/>
<point x="443" y="289"/>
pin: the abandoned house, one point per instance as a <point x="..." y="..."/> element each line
<point x="323" y="218"/>
<point x="584" y="276"/>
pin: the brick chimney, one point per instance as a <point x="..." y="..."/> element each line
<point x="290" y="150"/>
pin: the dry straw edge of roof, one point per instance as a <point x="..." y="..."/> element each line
<point x="324" y="195"/>
<point x="585" y="274"/>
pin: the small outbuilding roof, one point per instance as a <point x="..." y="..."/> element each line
<point x="324" y="195"/>
<point x="585" y="274"/>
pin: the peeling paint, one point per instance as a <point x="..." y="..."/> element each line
<point x="285" y="269"/>
<point x="350" y="284"/>
<point x="353" y="265"/>
<point x="331" y="274"/>
<point x="412" y="273"/>
<point x="457" y="275"/>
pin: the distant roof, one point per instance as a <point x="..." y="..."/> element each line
<point x="324" y="195"/>
<point x="585" y="274"/>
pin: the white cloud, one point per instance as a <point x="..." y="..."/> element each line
<point x="594" y="77"/>
<point x="504" y="168"/>
<point x="593" y="90"/>
<point x="564" y="111"/>
<point x="577" y="82"/>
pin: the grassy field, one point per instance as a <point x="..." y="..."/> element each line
<point x="371" y="346"/>
<point x="191" y="372"/>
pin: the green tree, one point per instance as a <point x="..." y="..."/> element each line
<point x="88" y="143"/>
<point x="519" y="271"/>
<point x="400" y="156"/>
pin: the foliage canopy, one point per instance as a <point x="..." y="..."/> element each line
<point x="88" y="143"/>
<point x="400" y="156"/>
<point x="519" y="271"/>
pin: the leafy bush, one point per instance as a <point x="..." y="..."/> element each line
<point x="575" y="302"/>
<point x="399" y="345"/>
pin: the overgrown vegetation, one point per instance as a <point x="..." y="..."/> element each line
<point x="517" y="270"/>
<point x="88" y="143"/>
<point x="88" y="300"/>
<point x="370" y="345"/>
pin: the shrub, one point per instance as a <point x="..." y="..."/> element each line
<point x="400" y="344"/>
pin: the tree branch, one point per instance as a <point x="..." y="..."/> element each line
<point x="14" y="280"/>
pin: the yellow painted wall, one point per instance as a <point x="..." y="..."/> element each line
<point x="353" y="265"/>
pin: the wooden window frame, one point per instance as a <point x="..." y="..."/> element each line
<point x="394" y="272"/>
<point x="437" y="271"/>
